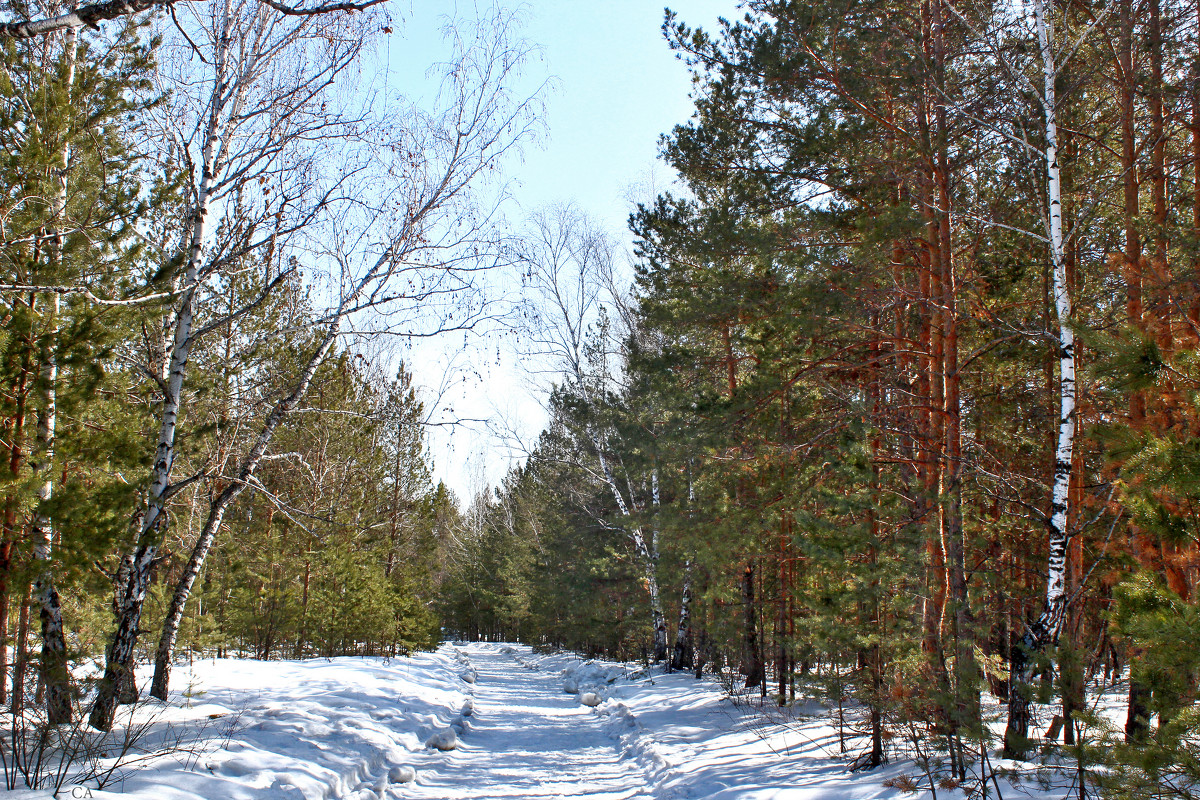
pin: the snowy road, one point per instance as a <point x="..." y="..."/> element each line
<point x="528" y="739"/>
<point x="361" y="729"/>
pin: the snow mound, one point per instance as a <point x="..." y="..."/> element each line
<point x="468" y="675"/>
<point x="403" y="774"/>
<point x="515" y="654"/>
<point x="589" y="676"/>
<point x="631" y="737"/>
<point x="345" y="728"/>
<point x="444" y="740"/>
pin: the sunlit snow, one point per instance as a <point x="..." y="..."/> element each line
<point x="488" y="721"/>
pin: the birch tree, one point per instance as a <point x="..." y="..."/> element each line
<point x="1043" y="632"/>
<point x="250" y="131"/>
<point x="567" y="263"/>
<point x="404" y="257"/>
<point x="1038" y="80"/>
<point x="54" y="647"/>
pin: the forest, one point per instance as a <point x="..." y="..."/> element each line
<point x="898" y="411"/>
<point x="902" y="406"/>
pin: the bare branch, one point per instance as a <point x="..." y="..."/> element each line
<point x="87" y="293"/>
<point x="93" y="14"/>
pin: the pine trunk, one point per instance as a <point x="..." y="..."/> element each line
<point x="8" y="536"/>
<point x="752" y="660"/>
<point x="21" y="653"/>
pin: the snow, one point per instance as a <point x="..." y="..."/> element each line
<point x="402" y="775"/>
<point x="443" y="740"/>
<point x="493" y="721"/>
<point x="590" y="699"/>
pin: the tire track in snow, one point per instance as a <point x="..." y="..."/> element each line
<point x="527" y="739"/>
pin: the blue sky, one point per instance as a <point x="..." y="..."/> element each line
<point x="619" y="88"/>
<point x="616" y="87"/>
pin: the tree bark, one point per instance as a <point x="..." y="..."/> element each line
<point x="1133" y="243"/>
<point x="752" y="660"/>
<point x="170" y="631"/>
<point x="683" y="656"/>
<point x="8" y="536"/>
<point x="55" y="672"/>
<point x="1044" y="631"/>
<point x="1193" y="312"/>
<point x="647" y="552"/>
<point x="21" y="655"/>
<point x="120" y="649"/>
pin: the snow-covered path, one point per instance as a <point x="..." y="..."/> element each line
<point x="528" y="739"/>
<point x="515" y="726"/>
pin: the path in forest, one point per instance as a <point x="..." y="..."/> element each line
<point x="527" y="739"/>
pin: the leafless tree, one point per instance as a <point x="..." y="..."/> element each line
<point x="52" y="19"/>
<point x="254" y="126"/>
<point x="567" y="265"/>
<point x="403" y="255"/>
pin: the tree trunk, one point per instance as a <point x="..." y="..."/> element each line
<point x="133" y="596"/>
<point x="1137" y="722"/>
<point x="1133" y="244"/>
<point x="931" y="461"/>
<point x="648" y="553"/>
<point x="165" y="651"/>
<point x="1164" y="306"/>
<point x="216" y="513"/>
<point x="752" y="660"/>
<point x="1044" y="631"/>
<point x="54" y="672"/>
<point x="8" y="536"/>
<point x="683" y="657"/>
<point x="6" y="551"/>
<point x="658" y="618"/>
<point x="1193" y="312"/>
<point x="962" y="627"/>
<point x="20" y="656"/>
<point x="661" y="649"/>
<point x="1071" y="665"/>
<point x="701" y="653"/>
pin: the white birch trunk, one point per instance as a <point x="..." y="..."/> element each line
<point x="55" y="674"/>
<point x="649" y="558"/>
<point x="1045" y="629"/>
<point x="133" y="593"/>
<point x="682" y="655"/>
<point x="166" y="643"/>
<point x="647" y="552"/>
<point x="657" y="617"/>
<point x="656" y="610"/>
